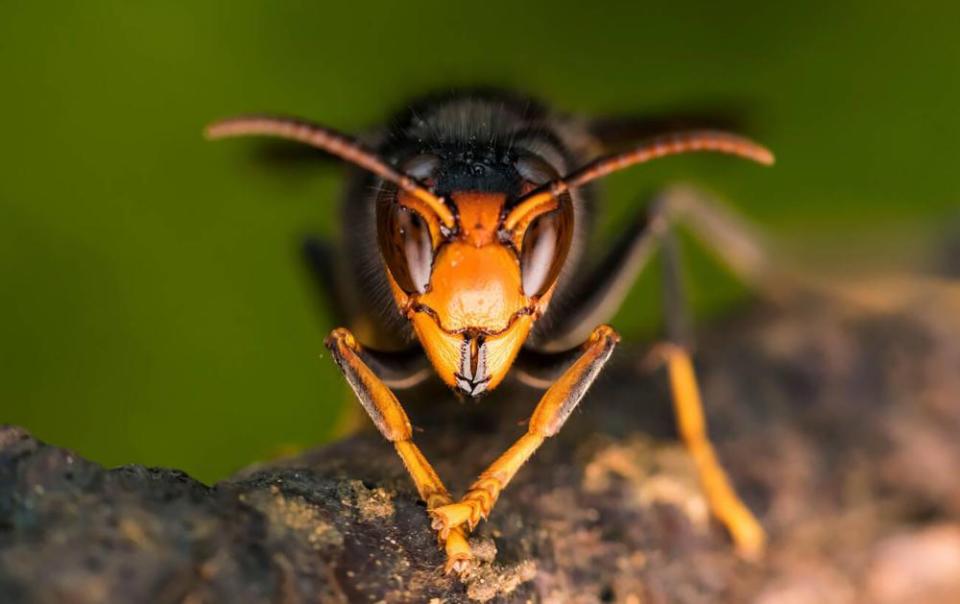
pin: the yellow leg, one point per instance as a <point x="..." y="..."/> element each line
<point x="746" y="532"/>
<point x="388" y="415"/>
<point x="548" y="417"/>
<point x="433" y="492"/>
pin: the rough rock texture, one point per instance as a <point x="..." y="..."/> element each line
<point x="838" y="420"/>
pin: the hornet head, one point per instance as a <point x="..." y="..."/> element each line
<point x="474" y="268"/>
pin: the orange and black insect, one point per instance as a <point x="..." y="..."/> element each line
<point x="467" y="227"/>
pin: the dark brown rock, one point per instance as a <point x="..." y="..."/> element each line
<point x="838" y="418"/>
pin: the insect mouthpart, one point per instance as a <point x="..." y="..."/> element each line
<point x="473" y="378"/>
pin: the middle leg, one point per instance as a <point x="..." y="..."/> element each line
<point x="599" y="294"/>
<point x="747" y="533"/>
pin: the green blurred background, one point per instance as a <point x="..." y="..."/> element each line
<point x="152" y="305"/>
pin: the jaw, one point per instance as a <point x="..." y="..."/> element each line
<point x="469" y="362"/>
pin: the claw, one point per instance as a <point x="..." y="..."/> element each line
<point x="459" y="554"/>
<point x="458" y="565"/>
<point x="748" y="536"/>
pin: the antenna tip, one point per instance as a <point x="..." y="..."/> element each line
<point x="766" y="157"/>
<point x="213" y="130"/>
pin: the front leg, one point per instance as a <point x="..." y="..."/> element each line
<point x="388" y="415"/>
<point x="549" y="416"/>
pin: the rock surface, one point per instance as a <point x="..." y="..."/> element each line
<point x="839" y="421"/>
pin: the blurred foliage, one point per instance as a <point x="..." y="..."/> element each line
<point x="152" y="306"/>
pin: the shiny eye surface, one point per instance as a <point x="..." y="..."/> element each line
<point x="544" y="249"/>
<point x="406" y="247"/>
<point x="535" y="170"/>
<point x="421" y="167"/>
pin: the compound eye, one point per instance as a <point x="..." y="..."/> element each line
<point x="544" y="249"/>
<point x="406" y="247"/>
<point x="421" y="167"/>
<point x="535" y="170"/>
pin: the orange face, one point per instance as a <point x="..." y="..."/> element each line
<point x="472" y="286"/>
